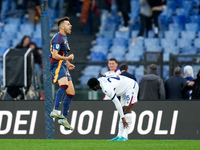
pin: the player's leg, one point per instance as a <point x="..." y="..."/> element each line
<point x="62" y="87"/>
<point x="66" y="104"/>
<point x="120" y="125"/>
<point x="61" y="78"/>
<point x="128" y="116"/>
<point x="127" y="107"/>
<point x="68" y="98"/>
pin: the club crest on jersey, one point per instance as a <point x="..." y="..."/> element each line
<point x="57" y="46"/>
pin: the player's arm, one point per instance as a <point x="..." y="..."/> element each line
<point x="70" y="65"/>
<point x="111" y="93"/>
<point x="118" y="106"/>
<point x="56" y="56"/>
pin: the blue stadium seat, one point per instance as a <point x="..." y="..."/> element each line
<point x="97" y="56"/>
<point x="84" y="79"/>
<point x="4" y="43"/>
<point x="120" y="41"/>
<point x="154" y="48"/>
<point x="171" y="34"/>
<point x="192" y="27"/>
<point x="132" y="57"/>
<point x="131" y="69"/>
<point x="15" y="42"/>
<point x="152" y="44"/>
<point x="188" y="35"/>
<point x="120" y="34"/>
<point x="38" y="41"/>
<point x="103" y="41"/>
<point x="166" y="42"/>
<point x="38" y="27"/>
<point x="180" y="21"/>
<point x="188" y="6"/>
<point x="165" y="72"/>
<point x="135" y="8"/>
<point x="108" y="34"/>
<point x="197" y="43"/>
<point x="175" y="27"/>
<point x="139" y="72"/>
<point x="171" y="49"/>
<point x="118" y="49"/>
<point x="171" y="4"/>
<point x="151" y="34"/>
<point x="166" y="56"/>
<point x="165" y="17"/>
<point x="27" y="28"/>
<point x="189" y="50"/>
<point x="11" y="28"/>
<point x="137" y="42"/>
<point x="3" y="49"/>
<point x="92" y="70"/>
<point x="100" y="48"/>
<point x="136" y="48"/>
<point x="103" y="70"/>
<point x="37" y="34"/>
<point x="119" y="56"/>
<point x="194" y="19"/>
<point x="11" y="20"/>
<point x="134" y="33"/>
<point x="9" y="36"/>
<point x="181" y="43"/>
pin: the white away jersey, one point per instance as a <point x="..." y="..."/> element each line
<point x="115" y="83"/>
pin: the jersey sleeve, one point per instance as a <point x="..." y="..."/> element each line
<point x="108" y="91"/>
<point x="56" y="44"/>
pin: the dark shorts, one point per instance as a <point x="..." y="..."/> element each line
<point x="59" y="71"/>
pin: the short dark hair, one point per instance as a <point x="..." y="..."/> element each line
<point x="153" y="67"/>
<point x="92" y="82"/>
<point x="61" y="20"/>
<point x="113" y="59"/>
<point x="123" y="66"/>
<point x="178" y="71"/>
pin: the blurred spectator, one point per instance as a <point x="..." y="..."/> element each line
<point x="24" y="42"/>
<point x="86" y="18"/>
<point x="34" y="11"/>
<point x="124" y="71"/>
<point x="124" y="7"/>
<point x="145" y="18"/>
<point x="37" y="53"/>
<point x="194" y="85"/>
<point x="188" y="75"/>
<point x="8" y="7"/>
<point x="157" y="7"/>
<point x="113" y="69"/>
<point x="175" y="84"/>
<point x="79" y="4"/>
<point x="151" y="86"/>
<point x="57" y="5"/>
<point x="104" y="6"/>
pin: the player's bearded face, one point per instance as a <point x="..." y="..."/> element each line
<point x="67" y="27"/>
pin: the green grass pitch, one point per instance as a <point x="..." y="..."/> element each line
<point x="37" y="144"/>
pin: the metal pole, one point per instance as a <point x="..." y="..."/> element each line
<point x="46" y="72"/>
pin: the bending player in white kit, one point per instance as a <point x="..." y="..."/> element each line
<point x="117" y="85"/>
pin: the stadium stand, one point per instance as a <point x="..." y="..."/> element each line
<point x="179" y="34"/>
